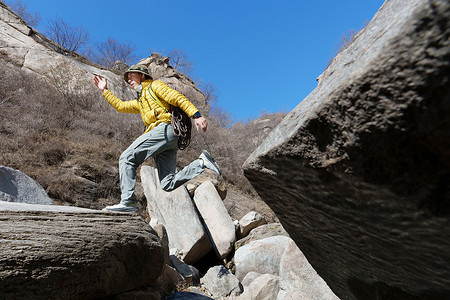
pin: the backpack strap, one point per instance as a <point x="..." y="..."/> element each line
<point x="155" y="98"/>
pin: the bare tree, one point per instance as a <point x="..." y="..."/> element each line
<point x="111" y="51"/>
<point x="218" y="114"/>
<point x="72" y="38"/>
<point x="20" y="9"/>
<point x="222" y="117"/>
<point x="180" y="61"/>
<point x="209" y="90"/>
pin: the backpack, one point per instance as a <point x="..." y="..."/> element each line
<point x="181" y="122"/>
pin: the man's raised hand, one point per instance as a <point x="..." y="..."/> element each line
<point x="101" y="82"/>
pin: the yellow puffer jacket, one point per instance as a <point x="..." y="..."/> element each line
<point x="151" y="112"/>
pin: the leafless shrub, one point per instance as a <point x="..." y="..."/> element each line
<point x="72" y="38"/>
<point x="220" y="116"/>
<point x="20" y="8"/>
<point x="209" y="90"/>
<point x="54" y="153"/>
<point x="108" y="52"/>
<point x="180" y="61"/>
<point x="72" y="90"/>
<point x="346" y="39"/>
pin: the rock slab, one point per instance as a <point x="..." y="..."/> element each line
<point x="176" y="211"/>
<point x="68" y="255"/>
<point x="218" y="223"/>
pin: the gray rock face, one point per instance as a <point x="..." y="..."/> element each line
<point x="15" y="186"/>
<point x="67" y="255"/>
<point x="35" y="53"/>
<point x="358" y="173"/>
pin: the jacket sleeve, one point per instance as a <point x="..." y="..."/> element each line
<point x="173" y="97"/>
<point x="122" y="106"/>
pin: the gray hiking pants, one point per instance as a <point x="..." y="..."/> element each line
<point x="161" y="144"/>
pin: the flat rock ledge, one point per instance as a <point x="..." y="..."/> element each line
<point x="74" y="253"/>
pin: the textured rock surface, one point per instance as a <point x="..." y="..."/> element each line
<point x="358" y="173"/>
<point x="263" y="287"/>
<point x="15" y="186"/>
<point x="68" y="255"/>
<point x="220" y="282"/>
<point x="176" y="211"/>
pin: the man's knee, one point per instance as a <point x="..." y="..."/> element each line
<point x="123" y="157"/>
<point x="127" y="158"/>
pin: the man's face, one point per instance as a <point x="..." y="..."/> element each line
<point x="134" y="79"/>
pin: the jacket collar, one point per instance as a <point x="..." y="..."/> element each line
<point x="146" y="83"/>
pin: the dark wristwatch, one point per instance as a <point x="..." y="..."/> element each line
<point x="197" y="115"/>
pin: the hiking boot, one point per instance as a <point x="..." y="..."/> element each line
<point x="209" y="162"/>
<point x="132" y="207"/>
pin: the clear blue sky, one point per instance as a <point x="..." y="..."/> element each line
<point x="260" y="55"/>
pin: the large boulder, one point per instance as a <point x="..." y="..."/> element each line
<point x="74" y="253"/>
<point x="176" y="211"/>
<point x="280" y="256"/>
<point x="15" y="186"/>
<point x="358" y="173"/>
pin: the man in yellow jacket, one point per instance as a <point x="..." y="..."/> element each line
<point x="158" y="140"/>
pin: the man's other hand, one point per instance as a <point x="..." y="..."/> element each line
<point x="202" y="123"/>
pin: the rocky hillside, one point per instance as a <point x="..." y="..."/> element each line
<point x="58" y="129"/>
